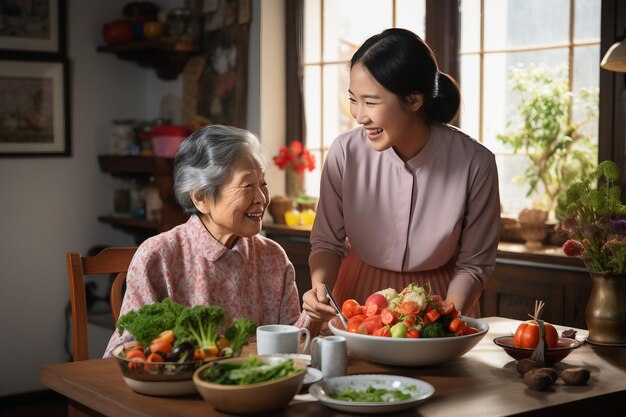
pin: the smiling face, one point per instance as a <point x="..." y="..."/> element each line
<point x="238" y="209"/>
<point x="390" y="121"/>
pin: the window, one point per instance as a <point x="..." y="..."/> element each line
<point x="496" y="35"/>
<point x="561" y="36"/>
<point x="333" y="30"/>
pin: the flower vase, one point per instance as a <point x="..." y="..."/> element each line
<point x="606" y="310"/>
<point x="295" y="183"/>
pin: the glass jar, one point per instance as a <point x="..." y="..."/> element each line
<point x="183" y="24"/>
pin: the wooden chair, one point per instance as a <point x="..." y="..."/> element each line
<point x="108" y="261"/>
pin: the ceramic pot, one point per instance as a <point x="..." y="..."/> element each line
<point x="606" y="310"/>
<point x="533" y="227"/>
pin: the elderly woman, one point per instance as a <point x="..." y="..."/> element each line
<point x="217" y="257"/>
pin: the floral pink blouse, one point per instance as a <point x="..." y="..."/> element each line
<point x="253" y="279"/>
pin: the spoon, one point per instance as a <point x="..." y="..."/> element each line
<point x="333" y="302"/>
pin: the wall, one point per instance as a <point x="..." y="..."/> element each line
<point x="49" y="205"/>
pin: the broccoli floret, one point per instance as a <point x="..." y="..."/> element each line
<point x="238" y="333"/>
<point x="150" y="320"/>
<point x="199" y="325"/>
<point x="433" y="330"/>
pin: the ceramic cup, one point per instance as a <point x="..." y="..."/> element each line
<point x="330" y="355"/>
<point x="281" y="338"/>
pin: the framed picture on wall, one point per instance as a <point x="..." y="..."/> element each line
<point x="28" y="26"/>
<point x="34" y="108"/>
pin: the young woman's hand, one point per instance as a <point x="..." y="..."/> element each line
<point x="317" y="305"/>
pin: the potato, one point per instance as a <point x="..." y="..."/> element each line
<point x="552" y="372"/>
<point x="575" y="376"/>
<point x="526" y="365"/>
<point x="538" y="380"/>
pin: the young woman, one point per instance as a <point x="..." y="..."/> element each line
<point x="404" y="197"/>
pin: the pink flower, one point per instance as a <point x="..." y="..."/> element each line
<point x="573" y="248"/>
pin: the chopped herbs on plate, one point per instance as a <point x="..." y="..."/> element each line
<point x="378" y="395"/>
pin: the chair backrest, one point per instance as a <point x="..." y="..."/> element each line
<point x="109" y="261"/>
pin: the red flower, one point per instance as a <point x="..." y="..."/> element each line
<point x="295" y="156"/>
<point x="573" y="248"/>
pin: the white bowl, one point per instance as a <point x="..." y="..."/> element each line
<point x="410" y="352"/>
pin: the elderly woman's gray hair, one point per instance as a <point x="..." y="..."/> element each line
<point x="204" y="160"/>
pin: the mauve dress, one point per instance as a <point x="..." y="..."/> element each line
<point x="254" y="278"/>
<point x="435" y="217"/>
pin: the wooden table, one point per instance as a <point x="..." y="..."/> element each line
<point x="482" y="382"/>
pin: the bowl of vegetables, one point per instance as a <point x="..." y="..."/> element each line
<point x="251" y="385"/>
<point x="172" y="341"/>
<point x="407" y="328"/>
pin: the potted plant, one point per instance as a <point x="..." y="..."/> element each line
<point x="558" y="148"/>
<point x="295" y="160"/>
<point x="594" y="218"/>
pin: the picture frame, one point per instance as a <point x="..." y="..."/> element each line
<point x="28" y="27"/>
<point x="34" y="108"/>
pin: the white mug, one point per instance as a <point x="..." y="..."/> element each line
<point x="330" y="355"/>
<point x="281" y="338"/>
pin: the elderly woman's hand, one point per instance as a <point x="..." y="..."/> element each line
<point x="317" y="305"/>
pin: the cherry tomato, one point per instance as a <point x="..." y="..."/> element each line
<point x="409" y="308"/>
<point x="354" y="322"/>
<point x="383" y="331"/>
<point x="389" y="317"/>
<point x="413" y="334"/>
<point x="372" y="323"/>
<point x="351" y="307"/>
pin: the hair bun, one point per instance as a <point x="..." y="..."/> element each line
<point x="446" y="98"/>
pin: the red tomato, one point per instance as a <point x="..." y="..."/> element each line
<point x="409" y="307"/>
<point x="354" y="322"/>
<point x="351" y="308"/>
<point x="389" y="317"/>
<point x="413" y="334"/>
<point x="409" y="320"/>
<point x="372" y="323"/>
<point x="374" y="304"/>
<point x="383" y="331"/>
<point x="527" y="335"/>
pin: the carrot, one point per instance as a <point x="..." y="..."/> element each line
<point x="136" y="354"/>
<point x="222" y="342"/>
<point x="165" y="336"/>
<point x="161" y="346"/>
<point x="456" y="324"/>
<point x="433" y="315"/>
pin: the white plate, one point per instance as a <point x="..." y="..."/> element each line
<point x="295" y="356"/>
<point x="325" y="390"/>
<point x="312" y="376"/>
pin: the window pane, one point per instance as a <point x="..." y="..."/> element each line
<point x="470" y="94"/>
<point x="313" y="105"/>
<point x="586" y="77"/>
<point x="500" y="103"/>
<point x="411" y="15"/>
<point x="470" y="25"/>
<point x="312" y="29"/>
<point x="587" y="20"/>
<point x="512" y="193"/>
<point x="514" y="23"/>
<point x="337" y="118"/>
<point x="347" y="23"/>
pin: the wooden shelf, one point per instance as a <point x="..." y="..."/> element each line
<point x="130" y="222"/>
<point x="167" y="56"/>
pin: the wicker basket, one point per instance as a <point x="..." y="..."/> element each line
<point x="279" y="205"/>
